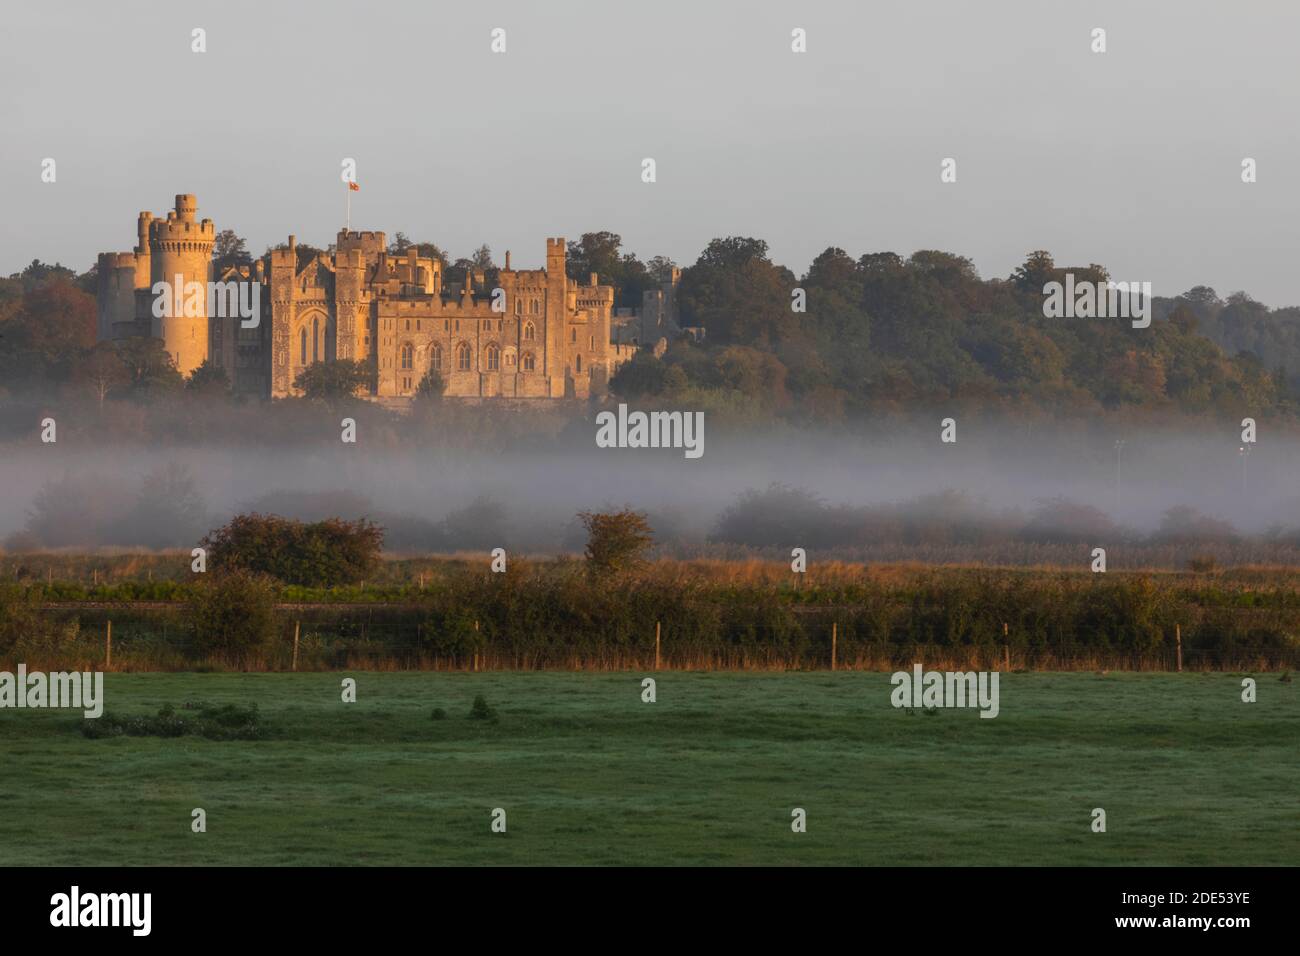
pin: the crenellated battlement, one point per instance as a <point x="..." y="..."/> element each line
<point x="112" y="261"/>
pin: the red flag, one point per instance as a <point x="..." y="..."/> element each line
<point x="354" y="187"/>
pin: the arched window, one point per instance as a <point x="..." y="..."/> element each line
<point x="519" y="306"/>
<point x="529" y="363"/>
<point x="437" y="358"/>
<point x="304" y="346"/>
<point x="464" y="357"/>
<point x="578" y="366"/>
<point x="530" y="332"/>
<point x="315" y="339"/>
<point x="493" y="357"/>
<point x="535" y="307"/>
<point x="408" y="354"/>
<point x="510" y="360"/>
<point x="573" y="335"/>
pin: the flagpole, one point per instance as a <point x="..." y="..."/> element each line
<point x="349" y="191"/>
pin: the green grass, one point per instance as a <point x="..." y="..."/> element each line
<point x="588" y="774"/>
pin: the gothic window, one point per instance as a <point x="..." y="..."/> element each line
<point x="578" y="366"/>
<point x="529" y="362"/>
<point x="530" y="332"/>
<point x="304" y="346"/>
<point x="463" y="357"/>
<point x="437" y="358"/>
<point x="315" y="340"/>
<point x="534" y="307"/>
<point x="493" y="358"/>
<point x="519" y="306"/>
<point x="573" y="335"/>
<point x="407" y="355"/>
<point x="510" y="360"/>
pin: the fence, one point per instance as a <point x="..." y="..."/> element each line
<point x="394" y="638"/>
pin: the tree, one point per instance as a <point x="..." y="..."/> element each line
<point x="320" y="554"/>
<point x="739" y="295"/>
<point x="232" y="615"/>
<point x="431" y="387"/>
<point x="151" y="372"/>
<point x="229" y="251"/>
<point x="616" y="540"/>
<point x="660" y="269"/>
<point x="208" y="380"/>
<point x="332" y="382"/>
<point x="103" y="371"/>
<point x="1037" y="270"/>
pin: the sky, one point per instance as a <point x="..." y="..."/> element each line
<point x="1129" y="158"/>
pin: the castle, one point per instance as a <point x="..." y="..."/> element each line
<point x="538" y="334"/>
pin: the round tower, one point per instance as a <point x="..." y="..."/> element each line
<point x="115" y="294"/>
<point x="180" y="253"/>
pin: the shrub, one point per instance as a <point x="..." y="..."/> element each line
<point x="616" y="541"/>
<point x="317" y="554"/>
<point x="227" y="722"/>
<point x="232" y="615"/>
<point x="480" y="709"/>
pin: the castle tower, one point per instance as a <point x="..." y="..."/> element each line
<point x="556" y="312"/>
<point x="143" y="273"/>
<point x="115" y="294"/>
<point x="180" y="251"/>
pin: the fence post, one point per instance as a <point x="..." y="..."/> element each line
<point x="1178" y="636"/>
<point x="108" y="647"/>
<point x="834" y="640"/>
<point x="656" y="645"/>
<point x="296" y="625"/>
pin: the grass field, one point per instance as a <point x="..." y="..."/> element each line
<point x="588" y="774"/>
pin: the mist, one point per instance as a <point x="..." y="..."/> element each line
<point x="442" y="498"/>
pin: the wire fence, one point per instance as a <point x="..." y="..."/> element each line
<point x="325" y="638"/>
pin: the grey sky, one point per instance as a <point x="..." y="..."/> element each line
<point x="1129" y="158"/>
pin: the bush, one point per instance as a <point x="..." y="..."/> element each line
<point x="232" y="615"/>
<point x="318" y="554"/>
<point x="227" y="722"/>
<point x="480" y="709"/>
<point x="616" y="541"/>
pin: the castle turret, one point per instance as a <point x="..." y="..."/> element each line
<point x="180" y="250"/>
<point x="143" y="272"/>
<point x="556" y="313"/>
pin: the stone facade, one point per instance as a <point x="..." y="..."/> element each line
<point x="537" y="334"/>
